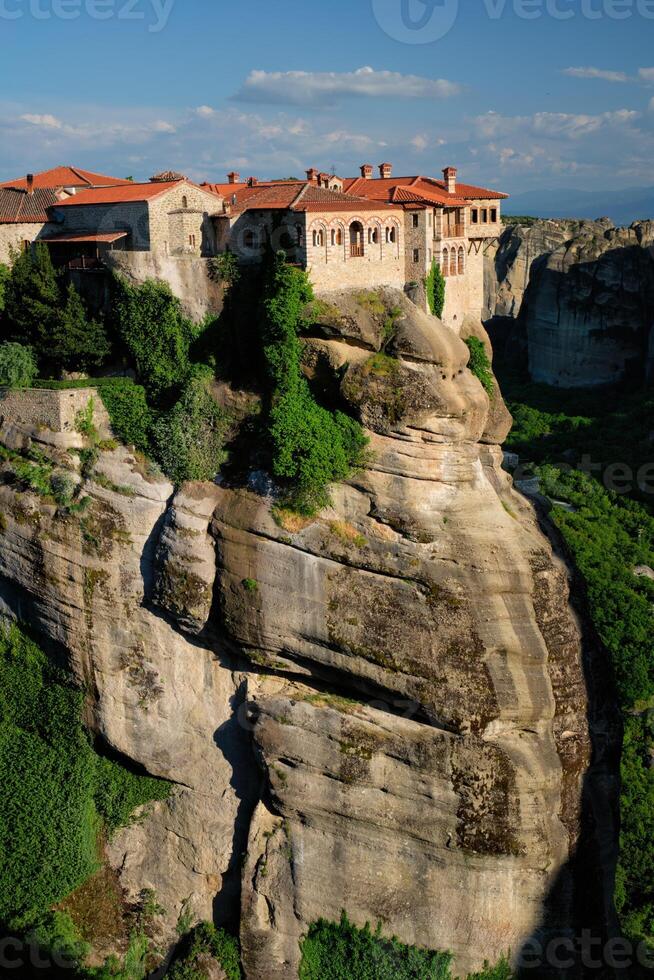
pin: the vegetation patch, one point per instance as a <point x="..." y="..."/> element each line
<point x="435" y="289"/>
<point x="480" y="364"/>
<point x="203" y="946"/>
<point x="341" y="951"/>
<point x="347" y="534"/>
<point x="58" y="793"/>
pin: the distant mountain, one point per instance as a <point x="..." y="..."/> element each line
<point x="621" y="206"/>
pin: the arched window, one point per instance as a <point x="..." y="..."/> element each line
<point x="185" y="202"/>
<point x="339" y="236"/>
<point x="333" y="236"/>
<point x="298" y="234"/>
<point x="462" y="261"/>
<point x="356" y="239"/>
<point x="393" y="233"/>
<point x="249" y="238"/>
<point x="453" y="262"/>
<point x="446" y="262"/>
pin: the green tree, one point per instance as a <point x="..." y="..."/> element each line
<point x="77" y="343"/>
<point x="435" y="288"/>
<point x="32" y="299"/>
<point x="156" y="334"/>
<point x="18" y="367"/>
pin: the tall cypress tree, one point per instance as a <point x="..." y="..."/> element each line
<point x="32" y="299"/>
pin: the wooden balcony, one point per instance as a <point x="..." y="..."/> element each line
<point x="453" y="231"/>
<point x="356" y="251"/>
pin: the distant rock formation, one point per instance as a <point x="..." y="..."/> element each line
<point x="582" y="296"/>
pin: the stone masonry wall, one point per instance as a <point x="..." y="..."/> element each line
<point x="131" y="216"/>
<point x="161" y="209"/>
<point x="331" y="266"/>
<point x="12" y="236"/>
<point x="49" y="415"/>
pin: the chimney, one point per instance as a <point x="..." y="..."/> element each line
<point x="385" y="170"/>
<point x="312" y="175"/>
<point x="233" y="177"/>
<point x="366" y="171"/>
<point x="323" y="180"/>
<point x="30" y="184"/>
<point x="449" y="176"/>
<point x="253" y="181"/>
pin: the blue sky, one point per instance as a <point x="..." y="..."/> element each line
<point x="519" y="94"/>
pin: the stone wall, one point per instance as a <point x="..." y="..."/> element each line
<point x="131" y="216"/>
<point x="12" y="236"/>
<point x="464" y="294"/>
<point x="191" y="208"/>
<point x="49" y="416"/>
<point x="331" y="265"/>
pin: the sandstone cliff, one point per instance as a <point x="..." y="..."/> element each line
<point x="582" y="294"/>
<point x="381" y="710"/>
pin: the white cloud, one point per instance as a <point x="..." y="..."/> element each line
<point x="327" y="88"/>
<point x="161" y="126"/>
<point x="50" y="122"/>
<point x="607" y="76"/>
<point x="420" y="142"/>
<point x="204" y="110"/>
<point x="552" y="124"/>
<point x="646" y="75"/>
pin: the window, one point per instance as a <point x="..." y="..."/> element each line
<point x="415" y="220"/>
<point x="416" y="255"/>
<point x="249" y="239"/>
<point x="493" y="215"/>
<point x="318" y="239"/>
<point x="475" y="216"/>
<point x="191" y="240"/>
<point x="462" y="261"/>
<point x="484" y="216"/>
<point x="373" y="236"/>
<point x="446" y="262"/>
<point x="393" y="233"/>
<point x="298" y="234"/>
<point x="185" y="202"/>
<point x="333" y="236"/>
<point x="339" y="236"/>
<point x="453" y="262"/>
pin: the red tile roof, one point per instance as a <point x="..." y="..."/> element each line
<point x="19" y="207"/>
<point x="417" y="189"/>
<point x="125" y="193"/>
<point x="66" y="177"/>
<point x="86" y="236"/>
<point x="300" y="196"/>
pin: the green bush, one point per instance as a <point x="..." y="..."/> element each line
<point x="18" y="367"/>
<point x="130" y="415"/>
<point x="77" y="343"/>
<point x="435" y="288"/>
<point x="189" y="438"/>
<point x="156" y="333"/>
<point x="56" y="790"/>
<point x="311" y="446"/>
<point x="341" y="951"/>
<point x="480" y="364"/>
<point x="207" y="940"/>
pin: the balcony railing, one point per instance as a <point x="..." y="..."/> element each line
<point x="453" y="231"/>
<point x="356" y="251"/>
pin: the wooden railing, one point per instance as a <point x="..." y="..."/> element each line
<point x="356" y="251"/>
<point x="453" y="231"/>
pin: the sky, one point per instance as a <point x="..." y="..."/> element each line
<point x="518" y="94"/>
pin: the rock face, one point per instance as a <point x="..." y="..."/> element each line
<point x="583" y="294"/>
<point x="381" y="710"/>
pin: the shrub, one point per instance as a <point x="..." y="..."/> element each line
<point x="311" y="446"/>
<point x="206" y="940"/>
<point x="4" y="275"/>
<point x="480" y="364"/>
<point x="55" y="788"/>
<point x="18" y="367"/>
<point x="189" y="438"/>
<point x="435" y="289"/>
<point x="224" y="268"/>
<point x="341" y="951"/>
<point x="129" y="413"/>
<point x="156" y="333"/>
